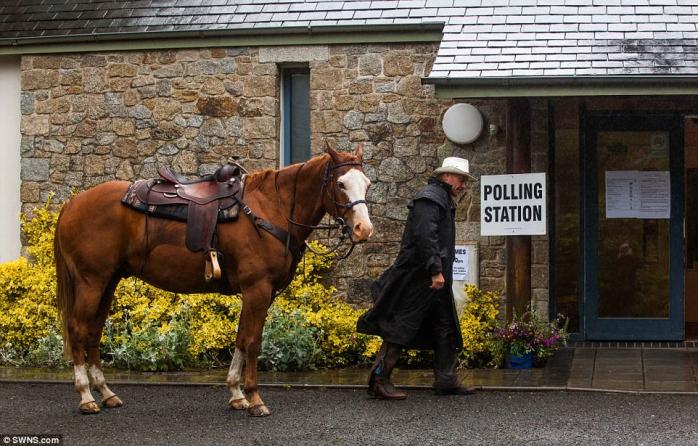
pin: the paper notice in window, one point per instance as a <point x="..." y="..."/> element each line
<point x="638" y="194"/>
<point x="622" y="197"/>
<point x="655" y="195"/>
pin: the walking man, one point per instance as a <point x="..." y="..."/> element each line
<point x="413" y="300"/>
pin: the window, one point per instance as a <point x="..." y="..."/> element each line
<point x="295" y="115"/>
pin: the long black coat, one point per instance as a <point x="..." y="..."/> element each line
<point x="403" y="307"/>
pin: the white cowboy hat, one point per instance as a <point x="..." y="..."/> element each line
<point x="453" y="164"/>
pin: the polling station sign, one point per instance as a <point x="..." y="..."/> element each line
<point x="513" y="204"/>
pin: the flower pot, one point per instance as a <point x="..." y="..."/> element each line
<point x="524" y="361"/>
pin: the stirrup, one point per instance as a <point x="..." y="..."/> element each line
<point x="213" y="269"/>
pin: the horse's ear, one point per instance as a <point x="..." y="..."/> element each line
<point x="332" y="152"/>
<point x="359" y="153"/>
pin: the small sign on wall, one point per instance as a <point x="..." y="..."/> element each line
<point x="465" y="270"/>
<point x="513" y="204"/>
<point x="465" y="265"/>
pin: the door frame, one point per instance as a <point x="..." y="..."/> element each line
<point x="632" y="329"/>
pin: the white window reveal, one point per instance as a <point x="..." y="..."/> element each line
<point x="10" y="116"/>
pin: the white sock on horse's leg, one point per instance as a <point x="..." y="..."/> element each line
<point x="237" y="398"/>
<point x="100" y="384"/>
<point x="82" y="385"/>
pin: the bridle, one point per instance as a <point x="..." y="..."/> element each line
<point x="329" y="187"/>
<point x="330" y="177"/>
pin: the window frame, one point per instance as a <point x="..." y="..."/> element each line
<point x="286" y="152"/>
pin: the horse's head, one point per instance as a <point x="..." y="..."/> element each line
<point x="346" y="186"/>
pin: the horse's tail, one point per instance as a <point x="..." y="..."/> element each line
<point x="65" y="292"/>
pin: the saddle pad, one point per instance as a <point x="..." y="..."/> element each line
<point x="170" y="211"/>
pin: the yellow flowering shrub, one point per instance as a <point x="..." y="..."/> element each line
<point x="39" y="231"/>
<point x="212" y="321"/>
<point x="28" y="288"/>
<point x="27" y="309"/>
<point x="211" y="318"/>
<point x="477" y="324"/>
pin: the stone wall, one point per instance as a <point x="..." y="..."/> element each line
<point x="89" y="118"/>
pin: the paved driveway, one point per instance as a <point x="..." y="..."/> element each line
<point x="183" y="415"/>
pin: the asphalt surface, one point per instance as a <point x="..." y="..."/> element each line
<point x="198" y="415"/>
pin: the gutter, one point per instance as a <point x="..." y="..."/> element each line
<point x="293" y="35"/>
<point x="542" y="86"/>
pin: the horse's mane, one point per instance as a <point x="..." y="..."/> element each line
<point x="255" y="180"/>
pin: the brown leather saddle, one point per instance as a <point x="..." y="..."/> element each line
<point x="202" y="203"/>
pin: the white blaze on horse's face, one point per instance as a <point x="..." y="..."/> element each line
<point x="355" y="184"/>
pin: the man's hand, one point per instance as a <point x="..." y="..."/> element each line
<point x="437" y="281"/>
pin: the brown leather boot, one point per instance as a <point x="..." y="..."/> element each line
<point x="459" y="389"/>
<point x="379" y="385"/>
<point x="381" y="388"/>
<point x="446" y="380"/>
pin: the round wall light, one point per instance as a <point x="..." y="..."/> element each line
<point x="462" y="123"/>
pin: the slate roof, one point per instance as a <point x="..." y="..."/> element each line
<point x="482" y="38"/>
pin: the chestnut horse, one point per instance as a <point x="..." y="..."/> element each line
<point x="99" y="241"/>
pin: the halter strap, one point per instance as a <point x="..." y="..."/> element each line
<point x="351" y="204"/>
<point x="346" y="163"/>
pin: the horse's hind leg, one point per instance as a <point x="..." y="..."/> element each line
<point x="92" y="301"/>
<point x="87" y="302"/>
<point x="109" y="398"/>
<point x="256" y="301"/>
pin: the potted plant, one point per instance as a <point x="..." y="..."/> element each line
<point x="529" y="340"/>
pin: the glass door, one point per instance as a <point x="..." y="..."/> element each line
<point x="633" y="228"/>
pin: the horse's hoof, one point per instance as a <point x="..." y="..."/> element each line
<point x="89" y="408"/>
<point x="259" y="410"/>
<point x="112" y="402"/>
<point x="239" y="404"/>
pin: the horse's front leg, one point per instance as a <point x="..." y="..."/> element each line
<point x="256" y="301"/>
<point x="237" y="398"/>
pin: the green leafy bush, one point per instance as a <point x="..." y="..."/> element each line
<point x="150" y="348"/>
<point x="290" y="343"/>
<point x="46" y="352"/>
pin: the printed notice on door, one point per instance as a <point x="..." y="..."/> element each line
<point x="622" y="197"/>
<point x="638" y="194"/>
